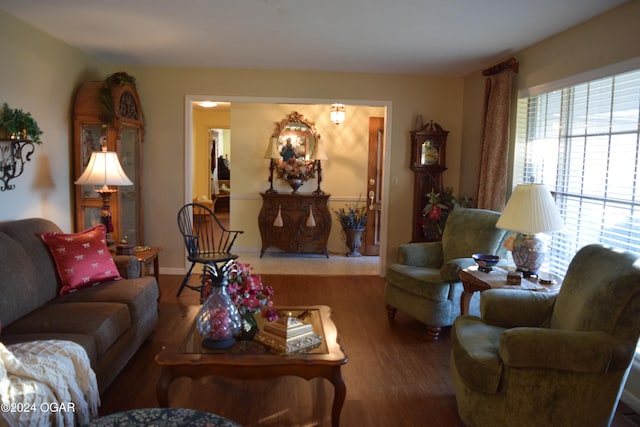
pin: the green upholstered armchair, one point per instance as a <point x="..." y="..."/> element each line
<point x="537" y="359"/>
<point x="424" y="283"/>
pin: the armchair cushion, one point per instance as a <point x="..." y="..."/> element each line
<point x="571" y="351"/>
<point x="510" y="309"/>
<point x="600" y="280"/>
<point x="476" y="353"/>
<point x="469" y="231"/>
<point x="413" y="279"/>
<point x="426" y="254"/>
<point x="451" y="269"/>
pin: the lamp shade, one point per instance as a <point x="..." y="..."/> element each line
<point x="104" y="169"/>
<point x="272" y="150"/>
<point x="530" y="210"/>
<point x="318" y="151"/>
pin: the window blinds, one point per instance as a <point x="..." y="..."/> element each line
<point x="582" y="142"/>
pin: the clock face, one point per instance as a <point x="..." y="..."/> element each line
<point x="429" y="153"/>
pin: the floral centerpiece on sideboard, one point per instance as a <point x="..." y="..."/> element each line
<point x="296" y="171"/>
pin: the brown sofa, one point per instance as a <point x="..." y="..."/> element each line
<point x="110" y="320"/>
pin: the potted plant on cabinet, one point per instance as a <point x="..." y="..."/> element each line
<point x="353" y="219"/>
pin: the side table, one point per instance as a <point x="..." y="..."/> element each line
<point x="474" y="280"/>
<point x="147" y="255"/>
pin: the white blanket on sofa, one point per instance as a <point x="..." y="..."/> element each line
<point x="47" y="382"/>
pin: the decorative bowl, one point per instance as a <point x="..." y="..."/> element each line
<point x="485" y="262"/>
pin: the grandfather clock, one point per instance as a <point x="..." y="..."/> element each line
<point x="428" y="148"/>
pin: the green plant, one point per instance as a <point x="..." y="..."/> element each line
<point x="120" y="78"/>
<point x="436" y="211"/>
<point x="116" y="79"/>
<point x="19" y="124"/>
<point x="353" y="216"/>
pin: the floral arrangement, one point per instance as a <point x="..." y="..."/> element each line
<point x="296" y="168"/>
<point x="435" y="213"/>
<point x="353" y="217"/>
<point x="248" y="292"/>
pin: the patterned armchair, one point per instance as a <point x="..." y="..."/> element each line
<point x="424" y="283"/>
<point x="537" y="359"/>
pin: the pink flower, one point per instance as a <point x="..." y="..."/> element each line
<point x="248" y="292"/>
<point x="435" y="213"/>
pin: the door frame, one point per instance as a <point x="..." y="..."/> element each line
<point x="189" y="149"/>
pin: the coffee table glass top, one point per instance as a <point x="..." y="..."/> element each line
<point x="193" y="341"/>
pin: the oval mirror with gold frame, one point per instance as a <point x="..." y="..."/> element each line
<point x="296" y="136"/>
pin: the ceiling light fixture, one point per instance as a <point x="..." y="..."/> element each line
<point x="337" y="113"/>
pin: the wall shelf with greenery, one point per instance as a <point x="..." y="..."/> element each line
<point x="18" y="133"/>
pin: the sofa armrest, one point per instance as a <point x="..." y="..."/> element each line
<point x="572" y="351"/>
<point x="424" y="254"/>
<point x="510" y="308"/>
<point x="128" y="266"/>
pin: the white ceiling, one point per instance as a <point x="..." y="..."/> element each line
<point x="448" y="37"/>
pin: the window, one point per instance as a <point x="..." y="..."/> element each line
<point x="582" y="142"/>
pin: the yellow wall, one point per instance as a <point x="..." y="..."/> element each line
<point x="607" y="39"/>
<point x="204" y="119"/>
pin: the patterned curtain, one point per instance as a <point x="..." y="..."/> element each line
<point x="492" y="188"/>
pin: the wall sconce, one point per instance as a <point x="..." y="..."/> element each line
<point x="337" y="113"/>
<point x="13" y="155"/>
<point x="317" y="156"/>
<point x="104" y="169"/>
<point x="273" y="154"/>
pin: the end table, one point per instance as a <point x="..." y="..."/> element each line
<point x="146" y="255"/>
<point x="474" y="280"/>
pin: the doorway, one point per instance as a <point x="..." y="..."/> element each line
<point x="247" y="198"/>
<point x="220" y="167"/>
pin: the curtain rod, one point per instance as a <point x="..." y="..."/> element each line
<point x="510" y="63"/>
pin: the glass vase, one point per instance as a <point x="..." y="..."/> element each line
<point x="218" y="321"/>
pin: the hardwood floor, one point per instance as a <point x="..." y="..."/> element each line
<point x="395" y="375"/>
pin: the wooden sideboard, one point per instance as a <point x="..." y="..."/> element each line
<point x="296" y="233"/>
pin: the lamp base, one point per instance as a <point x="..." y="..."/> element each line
<point x="105" y="217"/>
<point x="529" y="252"/>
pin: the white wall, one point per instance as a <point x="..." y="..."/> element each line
<point x="39" y="74"/>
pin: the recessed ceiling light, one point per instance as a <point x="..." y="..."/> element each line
<point x="207" y="104"/>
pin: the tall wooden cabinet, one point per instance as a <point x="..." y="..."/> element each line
<point x="109" y="114"/>
<point x="428" y="162"/>
<point x="295" y="223"/>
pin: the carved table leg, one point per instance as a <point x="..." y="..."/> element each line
<point x="162" y="388"/>
<point x="340" y="393"/>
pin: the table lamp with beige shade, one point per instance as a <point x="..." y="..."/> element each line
<point x="104" y="170"/>
<point x="530" y="211"/>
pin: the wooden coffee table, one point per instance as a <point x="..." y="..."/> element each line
<point x="248" y="360"/>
